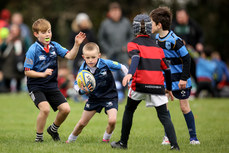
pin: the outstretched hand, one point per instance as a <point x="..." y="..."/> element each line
<point x="126" y="79"/>
<point x="80" y="38"/>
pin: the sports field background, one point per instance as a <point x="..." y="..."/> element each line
<point x="18" y="127"/>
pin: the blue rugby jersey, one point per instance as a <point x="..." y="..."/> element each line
<point x="105" y="89"/>
<point x="176" y="54"/>
<point x="39" y="60"/>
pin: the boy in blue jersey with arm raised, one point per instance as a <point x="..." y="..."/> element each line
<point x="41" y="70"/>
<point x="179" y="60"/>
<point x="103" y="96"/>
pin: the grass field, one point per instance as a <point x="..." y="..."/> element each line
<point x="18" y="127"/>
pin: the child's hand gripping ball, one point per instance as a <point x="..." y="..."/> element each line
<point x="86" y="81"/>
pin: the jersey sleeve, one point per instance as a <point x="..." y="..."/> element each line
<point x="29" y="60"/>
<point x="164" y="64"/>
<point x="183" y="53"/>
<point x="113" y="65"/>
<point x="61" y="51"/>
<point x="180" y="48"/>
<point x="132" y="49"/>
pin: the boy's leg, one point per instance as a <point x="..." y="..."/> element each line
<point x="85" y="118"/>
<point x="163" y="116"/>
<point x="41" y="119"/>
<point x="190" y="121"/>
<point x="112" y="116"/>
<point x="126" y="123"/>
<point x="165" y="138"/>
<point x="64" y="110"/>
<point x="58" y="102"/>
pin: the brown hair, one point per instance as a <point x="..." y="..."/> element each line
<point x="162" y="15"/>
<point x="41" y="25"/>
<point x="114" y="5"/>
<point x="91" y="46"/>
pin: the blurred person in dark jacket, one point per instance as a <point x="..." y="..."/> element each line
<point x="13" y="54"/>
<point x="186" y="28"/>
<point x="114" y="34"/>
<point x="17" y="18"/>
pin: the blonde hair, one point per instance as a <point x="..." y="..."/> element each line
<point x="41" y="25"/>
<point x="91" y="46"/>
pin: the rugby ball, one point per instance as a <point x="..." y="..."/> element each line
<point x="85" y="76"/>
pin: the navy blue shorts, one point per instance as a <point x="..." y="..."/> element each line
<point x="98" y="106"/>
<point x="182" y="94"/>
<point x="54" y="98"/>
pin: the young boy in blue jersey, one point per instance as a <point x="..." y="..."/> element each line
<point x="178" y="59"/>
<point x="41" y="71"/>
<point x="103" y="96"/>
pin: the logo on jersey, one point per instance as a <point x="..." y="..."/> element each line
<point x="29" y="61"/>
<point x="168" y="45"/>
<point x="52" y="54"/>
<point x="103" y="72"/>
<point x="109" y="104"/>
<point x="42" y="57"/>
<point x="116" y="63"/>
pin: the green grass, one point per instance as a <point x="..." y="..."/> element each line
<point x="18" y="127"/>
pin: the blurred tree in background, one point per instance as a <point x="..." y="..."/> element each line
<point x="210" y="14"/>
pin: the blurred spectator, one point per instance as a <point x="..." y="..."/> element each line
<point x="222" y="73"/>
<point x="205" y="70"/>
<point x="190" y="32"/>
<point x="4" y="24"/>
<point x="114" y="34"/>
<point x="82" y="23"/>
<point x="65" y="80"/>
<point x="17" y="18"/>
<point x="4" y="18"/>
<point x="13" y="54"/>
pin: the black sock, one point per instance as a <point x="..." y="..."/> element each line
<point x="39" y="136"/>
<point x="54" y="127"/>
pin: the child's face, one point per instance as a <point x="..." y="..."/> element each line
<point x="155" y="27"/>
<point x="91" y="57"/>
<point x="44" y="36"/>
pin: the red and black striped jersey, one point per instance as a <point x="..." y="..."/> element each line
<point x="148" y="77"/>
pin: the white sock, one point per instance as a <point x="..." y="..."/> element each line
<point x="72" y="138"/>
<point x="107" y="136"/>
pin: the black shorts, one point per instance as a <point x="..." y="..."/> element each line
<point x="182" y="94"/>
<point x="98" y="106"/>
<point x="54" y="98"/>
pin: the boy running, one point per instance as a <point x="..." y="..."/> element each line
<point x="103" y="96"/>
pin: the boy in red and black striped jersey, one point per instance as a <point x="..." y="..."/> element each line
<point x="147" y="63"/>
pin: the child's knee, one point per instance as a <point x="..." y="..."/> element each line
<point x="82" y="124"/>
<point x="185" y="109"/>
<point x="112" y="122"/>
<point x="65" y="109"/>
<point x="45" y="111"/>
